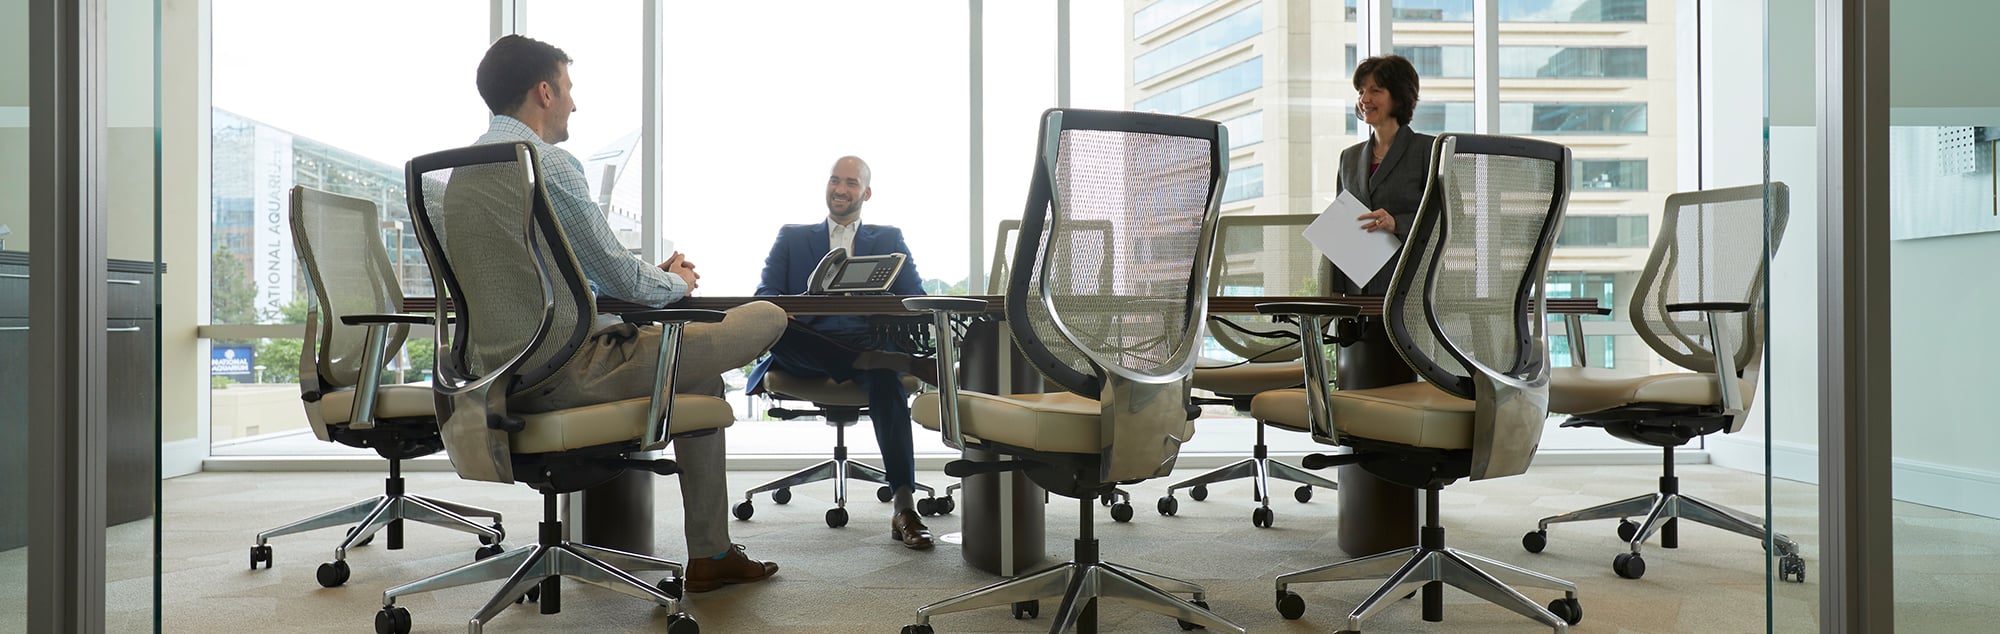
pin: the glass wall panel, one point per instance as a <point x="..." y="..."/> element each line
<point x="753" y="128"/>
<point x="1943" y="230"/>
<point x="284" y="115"/>
<point x="132" y="334"/>
<point x="14" y="307"/>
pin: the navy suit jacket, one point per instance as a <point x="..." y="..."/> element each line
<point x="799" y="248"/>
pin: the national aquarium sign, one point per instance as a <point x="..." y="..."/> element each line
<point x="232" y="361"/>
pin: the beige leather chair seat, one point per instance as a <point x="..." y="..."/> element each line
<point x="391" y="401"/>
<point x="1247" y="378"/>
<point x="1415" y="414"/>
<point x="1585" y="390"/>
<point x="1059" y="422"/>
<point x="617" y="421"/>
<point x="824" y="390"/>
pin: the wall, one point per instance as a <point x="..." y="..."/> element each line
<point x="184" y="234"/>
<point x="14" y="124"/>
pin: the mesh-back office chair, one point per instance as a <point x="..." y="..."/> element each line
<point x="1702" y="291"/>
<point x="351" y="331"/>
<point x="1257" y="255"/>
<point x="521" y="309"/>
<point x="841" y="404"/>
<point x="1120" y="334"/>
<point x="1463" y="310"/>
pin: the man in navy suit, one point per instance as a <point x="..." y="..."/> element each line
<point x="839" y="347"/>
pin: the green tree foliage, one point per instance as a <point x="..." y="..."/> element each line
<point x="232" y="295"/>
<point x="280" y="357"/>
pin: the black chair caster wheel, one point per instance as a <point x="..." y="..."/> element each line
<point x="1569" y="610"/>
<point x="883" y="494"/>
<point x="836" y="517"/>
<point x="782" y="496"/>
<point x="1303" y="494"/>
<point x="682" y="624"/>
<point x="672" y="587"/>
<point x="364" y="541"/>
<point x="260" y="554"/>
<point x="918" y="629"/>
<point x="946" y="505"/>
<point x="1199" y="492"/>
<point x="1792" y="568"/>
<point x="1262" y="517"/>
<point x="333" y="573"/>
<point x="1629" y="565"/>
<point x="1023" y="610"/>
<point x="1627" y="529"/>
<point x="533" y="594"/>
<point x="927" y="506"/>
<point x="392" y="620"/>
<point x="743" y="510"/>
<point x="1168" y="506"/>
<point x="1291" y="605"/>
<point x="1535" y="541"/>
<point x="489" y="541"/>
<point x="1188" y="627"/>
<point x="1121" y="512"/>
<point x="488" y="550"/>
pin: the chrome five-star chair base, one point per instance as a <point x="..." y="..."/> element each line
<point x="371" y="515"/>
<point x="1080" y="584"/>
<point x="1260" y="468"/>
<point x="534" y="572"/>
<point x="1428" y="565"/>
<point x="840" y="469"/>
<point x="1661" y="510"/>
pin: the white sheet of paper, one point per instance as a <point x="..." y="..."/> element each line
<point x="1338" y="236"/>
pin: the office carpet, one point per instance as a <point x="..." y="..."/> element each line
<point x="856" y="580"/>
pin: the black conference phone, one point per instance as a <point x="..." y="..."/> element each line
<point x="841" y="274"/>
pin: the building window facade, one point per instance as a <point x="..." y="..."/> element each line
<point x="1244" y="183"/>
<point x="1213" y="87"/>
<point x="1162" y="13"/>
<point x="1608" y="175"/>
<point x="1218" y="35"/>
<point x="1516" y="11"/>
<point x="1245" y="130"/>
<point x="1603" y="231"/>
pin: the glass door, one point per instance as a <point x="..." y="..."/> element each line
<point x="13" y="315"/>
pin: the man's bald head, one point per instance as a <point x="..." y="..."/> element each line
<point x="847" y="188"/>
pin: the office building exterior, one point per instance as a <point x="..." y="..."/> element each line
<point x="1599" y="78"/>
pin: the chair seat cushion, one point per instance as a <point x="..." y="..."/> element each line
<point x="1055" y="422"/>
<point x="1586" y="390"/>
<point x="1249" y="378"/>
<point x="613" y="422"/>
<point x="824" y="390"/>
<point x="1414" y="414"/>
<point x="405" y="400"/>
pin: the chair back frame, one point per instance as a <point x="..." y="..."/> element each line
<point x="336" y="356"/>
<point x="472" y="405"/>
<point x="1511" y="401"/>
<point x="1144" y="411"/>
<point x="1672" y="339"/>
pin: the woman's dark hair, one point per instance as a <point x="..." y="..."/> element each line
<point x="513" y="65"/>
<point x="1394" y="74"/>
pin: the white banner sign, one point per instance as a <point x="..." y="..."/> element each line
<point x="271" y="184"/>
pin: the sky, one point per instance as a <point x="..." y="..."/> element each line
<point x="760" y="98"/>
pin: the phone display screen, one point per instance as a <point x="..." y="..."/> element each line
<point x="865" y="274"/>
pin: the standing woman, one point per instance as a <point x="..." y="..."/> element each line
<point x="1387" y="173"/>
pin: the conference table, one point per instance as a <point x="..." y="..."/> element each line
<point x="1002" y="518"/>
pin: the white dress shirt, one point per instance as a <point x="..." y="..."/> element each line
<point x="839" y="236"/>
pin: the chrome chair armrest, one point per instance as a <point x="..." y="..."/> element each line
<point x="660" y="408"/>
<point x="1726" y="373"/>
<point x="942" y="309"/>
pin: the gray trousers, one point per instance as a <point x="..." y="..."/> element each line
<point x="618" y="361"/>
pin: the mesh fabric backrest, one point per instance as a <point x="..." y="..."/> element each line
<point x="480" y="217"/>
<point x="1264" y="255"/>
<point x="340" y="245"/>
<point x="1477" y="255"/>
<point x="1710" y="249"/>
<point x="1116" y="253"/>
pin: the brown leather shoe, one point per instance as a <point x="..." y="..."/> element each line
<point x="906" y="527"/>
<point x="708" y="573"/>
